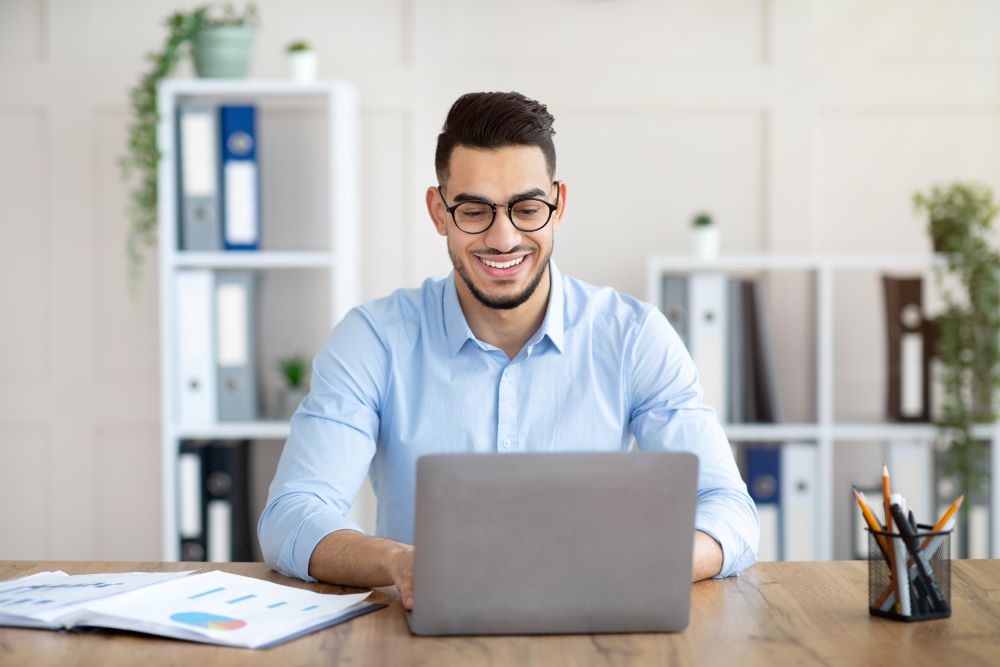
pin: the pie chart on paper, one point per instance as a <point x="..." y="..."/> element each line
<point x="211" y="621"/>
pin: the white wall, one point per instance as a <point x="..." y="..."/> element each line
<point x="803" y="125"/>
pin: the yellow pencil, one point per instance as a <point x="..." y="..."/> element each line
<point x="886" y="493"/>
<point x="944" y="519"/>
<point x="870" y="519"/>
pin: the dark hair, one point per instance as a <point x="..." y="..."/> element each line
<point x="495" y="120"/>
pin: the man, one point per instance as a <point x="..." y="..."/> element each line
<point x="505" y="354"/>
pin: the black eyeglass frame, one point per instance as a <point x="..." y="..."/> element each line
<point x="510" y="210"/>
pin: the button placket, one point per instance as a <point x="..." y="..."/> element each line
<point x="507" y="410"/>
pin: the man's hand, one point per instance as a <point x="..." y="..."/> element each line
<point x="400" y="566"/>
<point x="350" y="558"/>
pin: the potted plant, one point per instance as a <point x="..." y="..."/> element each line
<point x="185" y="31"/>
<point x="302" y="63"/>
<point x="221" y="45"/>
<point x="293" y="372"/>
<point x="706" y="236"/>
<point x="968" y="330"/>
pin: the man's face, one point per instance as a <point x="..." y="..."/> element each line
<point x="483" y="261"/>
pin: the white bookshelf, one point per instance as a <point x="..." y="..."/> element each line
<point x="339" y="260"/>
<point x="263" y="259"/>
<point x="827" y="431"/>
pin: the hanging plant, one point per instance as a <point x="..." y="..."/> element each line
<point x="140" y="162"/>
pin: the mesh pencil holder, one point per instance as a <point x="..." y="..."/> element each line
<point x="924" y="591"/>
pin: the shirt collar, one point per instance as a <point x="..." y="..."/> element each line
<point x="457" y="328"/>
<point x="553" y="325"/>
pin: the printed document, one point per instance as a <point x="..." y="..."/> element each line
<point x="213" y="607"/>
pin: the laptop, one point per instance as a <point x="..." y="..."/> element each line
<point x="547" y="543"/>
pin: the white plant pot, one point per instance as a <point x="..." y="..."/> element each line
<point x="302" y="66"/>
<point x="706" y="241"/>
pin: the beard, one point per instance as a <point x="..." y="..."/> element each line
<point x="507" y="302"/>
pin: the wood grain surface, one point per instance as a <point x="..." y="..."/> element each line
<point x="773" y="614"/>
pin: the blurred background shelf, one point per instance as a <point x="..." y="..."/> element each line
<point x="911" y="445"/>
<point x="308" y="216"/>
<point x="253" y="260"/>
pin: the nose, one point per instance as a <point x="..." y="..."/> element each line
<point x="502" y="234"/>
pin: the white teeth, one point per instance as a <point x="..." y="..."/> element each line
<point x="503" y="265"/>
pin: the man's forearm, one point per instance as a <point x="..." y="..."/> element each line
<point x="707" y="557"/>
<point x="350" y="558"/>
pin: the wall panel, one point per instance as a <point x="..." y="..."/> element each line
<point x="126" y="477"/>
<point x="636" y="177"/>
<point x="870" y="162"/>
<point x="24" y="245"/>
<point x="24" y="496"/>
<point x="909" y="33"/>
<point x="126" y="327"/>
<point x="563" y="35"/>
<point x="22" y="31"/>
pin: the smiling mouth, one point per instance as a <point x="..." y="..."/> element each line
<point x="502" y="265"/>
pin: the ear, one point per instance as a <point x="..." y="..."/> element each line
<point x="558" y="214"/>
<point x="435" y="208"/>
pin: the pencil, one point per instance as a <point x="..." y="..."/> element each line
<point x="944" y="520"/>
<point x="887" y="503"/>
<point x="870" y="519"/>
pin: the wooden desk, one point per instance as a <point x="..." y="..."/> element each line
<point x="774" y="614"/>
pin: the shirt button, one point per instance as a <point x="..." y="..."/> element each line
<point x="505" y="443"/>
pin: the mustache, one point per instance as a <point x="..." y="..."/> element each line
<point x="494" y="251"/>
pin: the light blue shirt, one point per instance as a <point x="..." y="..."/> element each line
<point x="404" y="376"/>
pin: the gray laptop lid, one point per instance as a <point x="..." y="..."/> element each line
<point x="553" y="542"/>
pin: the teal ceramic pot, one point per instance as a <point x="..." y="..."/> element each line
<point x="223" y="52"/>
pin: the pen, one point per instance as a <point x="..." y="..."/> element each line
<point x="899" y="559"/>
<point x="909" y="539"/>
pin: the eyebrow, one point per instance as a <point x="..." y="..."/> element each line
<point x="471" y="196"/>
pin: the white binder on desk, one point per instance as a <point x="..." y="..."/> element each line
<point x="708" y="335"/>
<point x="197" y="396"/>
<point x="235" y="346"/>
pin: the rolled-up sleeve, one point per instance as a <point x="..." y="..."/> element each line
<point x="330" y="448"/>
<point x="668" y="412"/>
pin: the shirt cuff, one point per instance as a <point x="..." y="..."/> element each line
<point x="294" y="560"/>
<point x="717" y="528"/>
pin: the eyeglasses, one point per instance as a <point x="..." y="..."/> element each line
<point x="475" y="217"/>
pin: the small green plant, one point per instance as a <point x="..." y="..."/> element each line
<point x="293" y="369"/>
<point x="297" y="46"/>
<point x="701" y="220"/>
<point x="142" y="157"/>
<point x="959" y="224"/>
